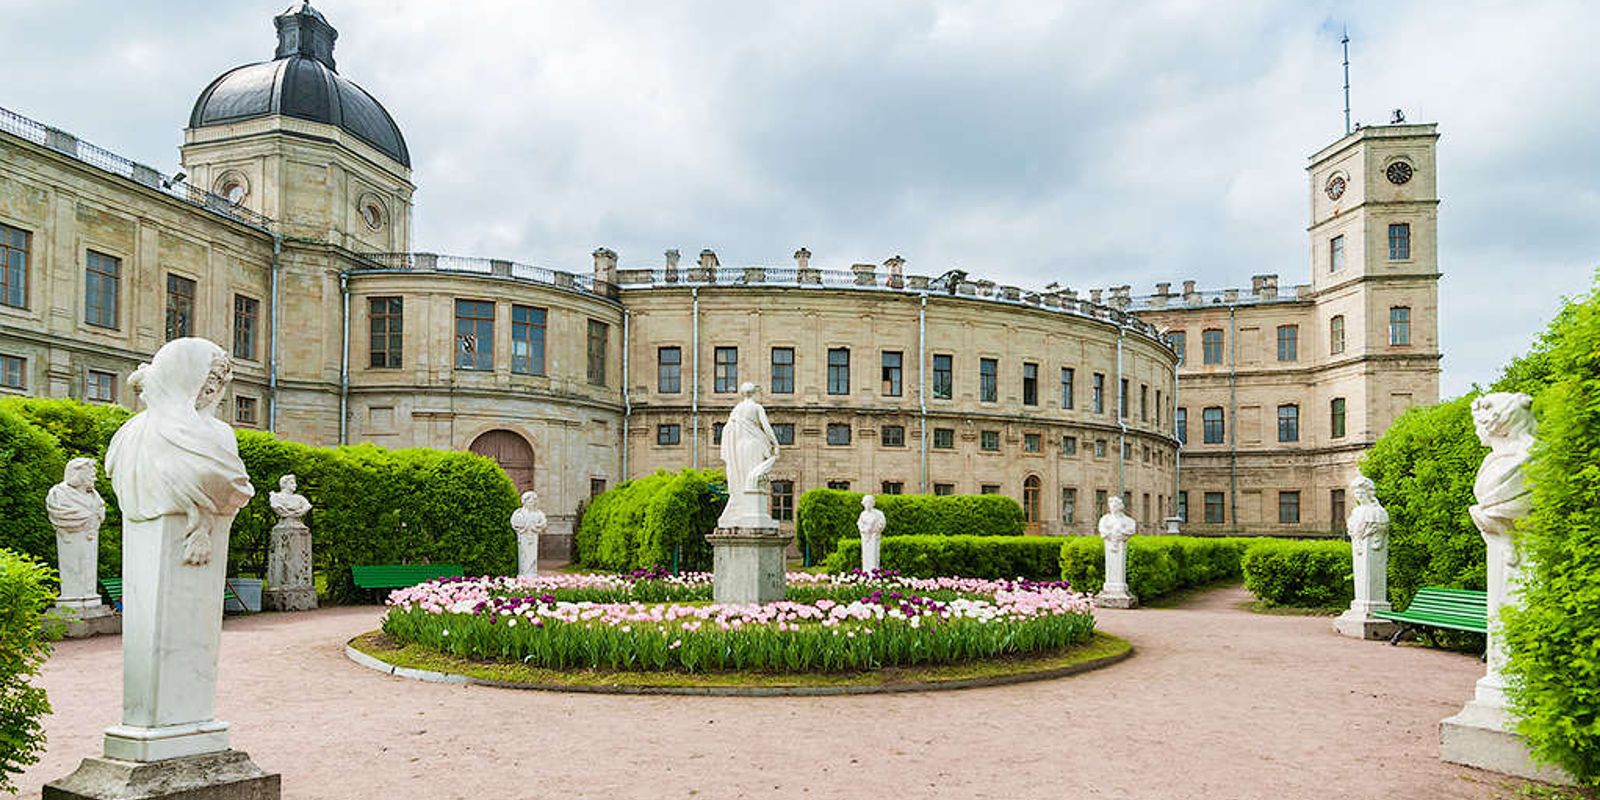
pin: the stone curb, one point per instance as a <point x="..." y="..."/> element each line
<point x="430" y="676"/>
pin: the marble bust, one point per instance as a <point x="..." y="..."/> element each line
<point x="870" y="525"/>
<point x="285" y="502"/>
<point x="749" y="449"/>
<point x="1504" y="423"/>
<point x="1368" y="527"/>
<point x="1368" y="522"/>
<point x="76" y="511"/>
<point x="529" y="523"/>
<point x="1116" y="527"/>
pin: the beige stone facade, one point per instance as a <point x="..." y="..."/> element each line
<point x="288" y="240"/>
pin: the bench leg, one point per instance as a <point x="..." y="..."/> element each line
<point x="1399" y="631"/>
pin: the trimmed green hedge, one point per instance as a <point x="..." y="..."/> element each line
<point x="1304" y="574"/>
<point x="26" y="588"/>
<point x="654" y="520"/>
<point x="824" y="516"/>
<point x="1033" y="557"/>
<point x="1157" y="565"/>
<point x="31" y="462"/>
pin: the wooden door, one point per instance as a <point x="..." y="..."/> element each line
<point x="511" y="452"/>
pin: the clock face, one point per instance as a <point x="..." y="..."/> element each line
<point x="1335" y="187"/>
<point x="1398" y="173"/>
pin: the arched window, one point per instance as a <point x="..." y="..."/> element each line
<point x="1030" y="498"/>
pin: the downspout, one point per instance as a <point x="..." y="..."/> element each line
<point x="1177" y="451"/>
<point x="1233" y="416"/>
<point x="694" y="385"/>
<point x="272" y="341"/>
<point x="627" y="403"/>
<point x="344" y="358"/>
<point x="1122" y="420"/>
<point x="922" y="383"/>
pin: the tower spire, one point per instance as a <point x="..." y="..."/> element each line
<point x="1344" y="42"/>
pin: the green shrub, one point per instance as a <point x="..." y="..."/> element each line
<point x="1157" y="565"/>
<point x="1303" y="574"/>
<point x="824" y="516"/>
<point x="1032" y="557"/>
<point x="1554" y="639"/>
<point x="26" y="588"/>
<point x="653" y="520"/>
<point x="30" y="463"/>
<point x="82" y="429"/>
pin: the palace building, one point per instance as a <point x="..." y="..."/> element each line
<point x="287" y="239"/>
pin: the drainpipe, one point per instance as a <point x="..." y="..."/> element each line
<point x="694" y="386"/>
<point x="922" y="382"/>
<point x="627" y="404"/>
<point x="1122" y="418"/>
<point x="1233" y="416"/>
<point x="272" y="341"/>
<point x="344" y="359"/>
<point x="1177" y="451"/>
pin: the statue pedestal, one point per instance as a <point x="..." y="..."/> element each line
<point x="289" y="583"/>
<point x="83" y="621"/>
<point x="228" y="775"/>
<point x="1483" y="735"/>
<point x="1357" y="622"/>
<point x="749" y="564"/>
<point x="1116" y="597"/>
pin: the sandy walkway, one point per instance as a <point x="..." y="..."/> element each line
<point x="1218" y="704"/>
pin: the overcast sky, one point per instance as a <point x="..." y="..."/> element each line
<point x="1086" y="143"/>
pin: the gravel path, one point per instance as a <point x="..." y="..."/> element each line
<point x="1218" y="703"/>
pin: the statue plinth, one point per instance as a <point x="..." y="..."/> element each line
<point x="81" y="618"/>
<point x="289" y="583"/>
<point x="749" y="563"/>
<point x="228" y="775"/>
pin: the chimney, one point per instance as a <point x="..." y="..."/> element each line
<point x="1094" y="296"/>
<point x="1163" y="289"/>
<point x="605" y="265"/>
<point x="1264" y="286"/>
<point x="802" y="258"/>
<point x="708" y="259"/>
<point x="897" y="271"/>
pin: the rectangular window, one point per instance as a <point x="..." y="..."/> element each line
<point x="246" y="318"/>
<point x="1400" y="241"/>
<point x="180" y="307"/>
<point x="1069" y="445"/>
<point x="1336" y="253"/>
<point x="1211" y="345"/>
<point x="1289" y="423"/>
<point x="944" y="489"/>
<point x="474" y="334"/>
<point x="1127" y="450"/>
<point x="782" y="370"/>
<point x="1099" y="393"/>
<point x="386" y="323"/>
<point x="669" y="370"/>
<point x="1336" y="506"/>
<point x="14" y="266"/>
<point x="669" y="434"/>
<point x="988" y="380"/>
<point x="1069" y="506"/>
<point x="599" y="338"/>
<point x="244" y="410"/>
<point x="782" y="500"/>
<point x="1099" y="502"/>
<point x="1212" y="429"/>
<point x="1099" y="448"/>
<point x="1336" y="335"/>
<point x="893" y="436"/>
<point x="101" y="288"/>
<point x="1122" y="398"/>
<point x="839" y="370"/>
<point x="894" y="487"/>
<point x="1289" y="508"/>
<point x="1215" y="511"/>
<point x="1336" y="418"/>
<point x="989" y="440"/>
<point x="838" y="433"/>
<point x="944" y="377"/>
<point x="944" y="438"/>
<point x="1144" y="402"/>
<point x="527" y="340"/>
<point x="1288" y="342"/>
<point x="891" y="372"/>
<point x="1180" y="424"/>
<point x="783" y="432"/>
<point x="843" y="486"/>
<point x="100" y="386"/>
<point x="1030" y="384"/>
<point x="725" y="370"/>
<point x="1182" y="511"/>
<point x="1399" y="325"/>
<point x="989" y="488"/>
<point x="1067" y="374"/>
<point x="716" y="432"/>
<point x="597" y="487"/>
<point x="1032" y="443"/>
<point x="1180" y="345"/>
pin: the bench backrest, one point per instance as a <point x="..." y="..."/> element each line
<point x="113" y="587"/>
<point x="1453" y="602"/>
<point x="397" y="576"/>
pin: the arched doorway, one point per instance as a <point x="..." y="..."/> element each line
<point x="1030" y="502"/>
<point x="511" y="452"/>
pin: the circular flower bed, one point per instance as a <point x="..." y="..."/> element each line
<point x="649" y="621"/>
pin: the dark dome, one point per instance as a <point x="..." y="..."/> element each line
<point x="300" y="82"/>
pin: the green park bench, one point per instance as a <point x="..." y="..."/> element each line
<point x="377" y="577"/>
<point x="113" y="591"/>
<point x="1441" y="607"/>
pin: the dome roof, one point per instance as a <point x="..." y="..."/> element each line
<point x="300" y="81"/>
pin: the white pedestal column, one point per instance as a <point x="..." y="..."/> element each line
<point x="289" y="583"/>
<point x="1115" y="593"/>
<point x="748" y="564"/>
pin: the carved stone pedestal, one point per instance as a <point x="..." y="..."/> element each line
<point x="1358" y="625"/>
<point x="1483" y="736"/>
<point x="289" y="583"/>
<point x="749" y="564"/>
<point x="228" y="775"/>
<point x="1119" y="598"/>
<point x="81" y="622"/>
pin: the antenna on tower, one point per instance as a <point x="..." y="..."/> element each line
<point x="1345" y="42"/>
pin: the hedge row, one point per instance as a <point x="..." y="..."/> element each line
<point x="825" y="516"/>
<point x="1033" y="557"/>
<point x="1305" y="574"/>
<point x="26" y="588"/>
<point x="659" y="519"/>
<point x="1157" y="565"/>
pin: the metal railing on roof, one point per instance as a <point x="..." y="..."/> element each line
<point x="1217" y="297"/>
<point x="101" y="158"/>
<point x="492" y="267"/>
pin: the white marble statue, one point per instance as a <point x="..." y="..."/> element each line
<point x="749" y="449"/>
<point x="290" y="586"/>
<point x="1368" y="526"/>
<point x="286" y="502"/>
<point x="529" y="523"/>
<point x="870" y="525"/>
<point x="1116" y="528"/>
<point x="76" y="511"/>
<point x="175" y="468"/>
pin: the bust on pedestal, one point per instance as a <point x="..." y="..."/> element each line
<point x="529" y="523"/>
<point x="289" y="583"/>
<point x="870" y="525"/>
<point x="1116" y="528"/>
<point x="747" y="547"/>
<point x="1484" y="734"/>
<point x="76" y="511"/>
<point x="1368" y="525"/>
<point x="178" y="478"/>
